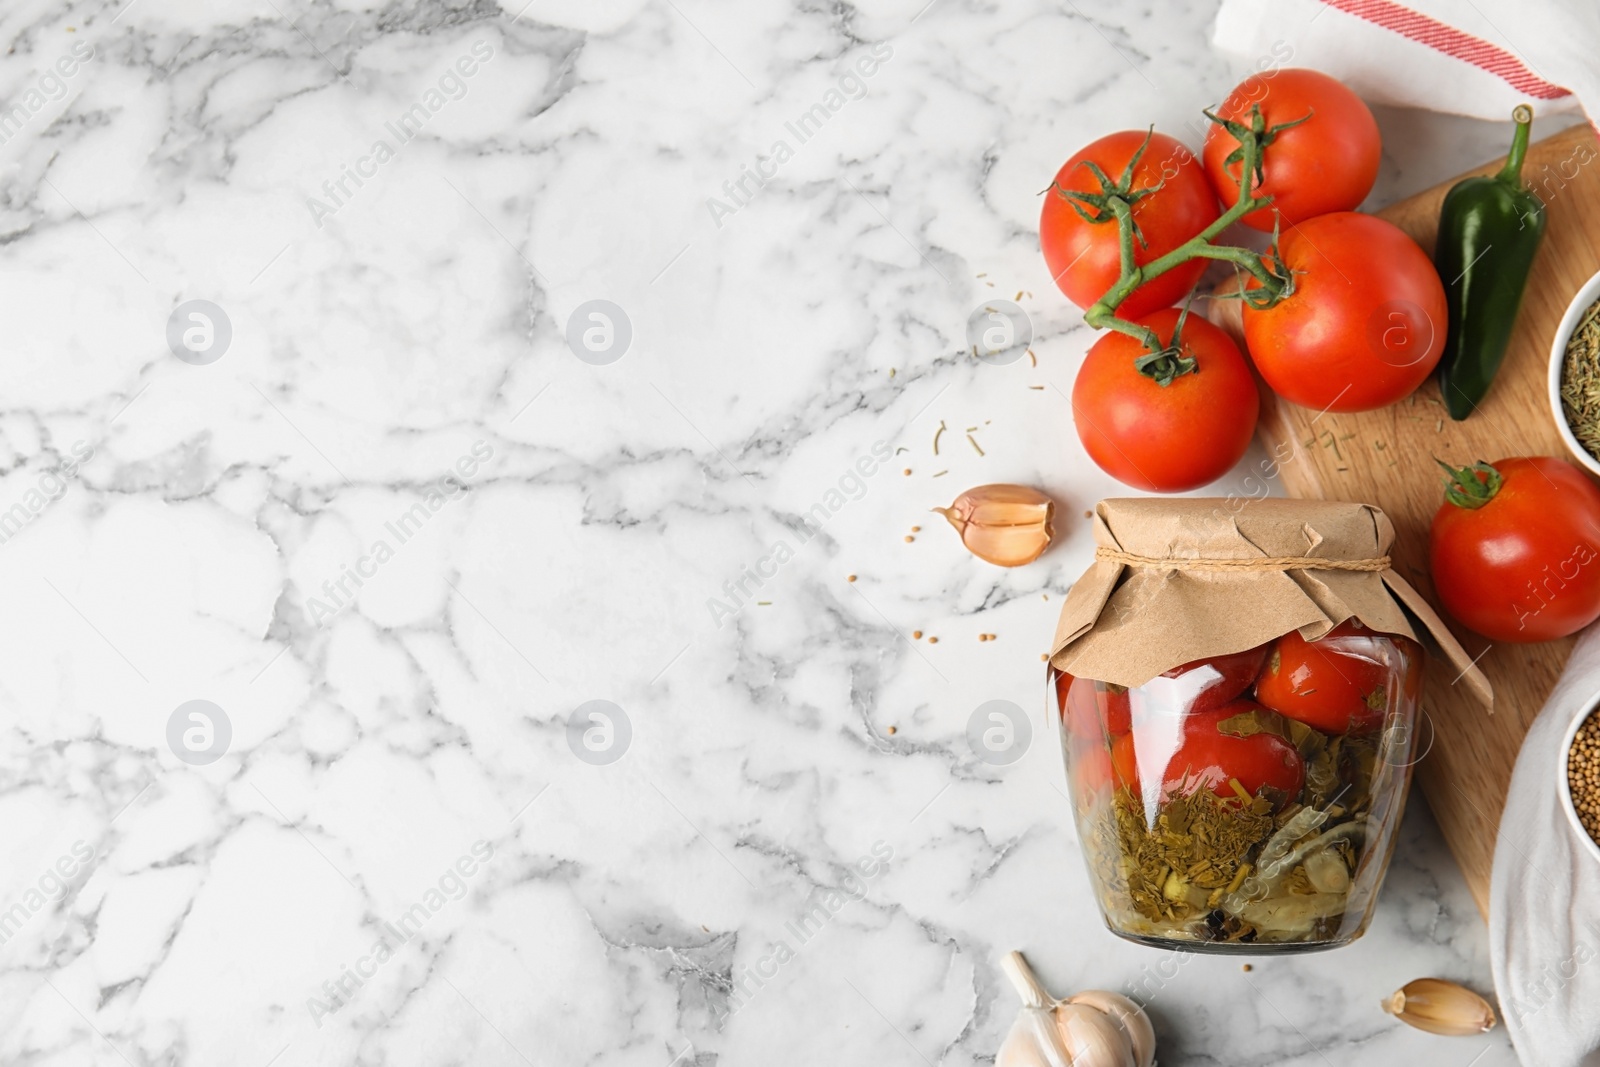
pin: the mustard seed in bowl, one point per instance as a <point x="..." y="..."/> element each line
<point x="1583" y="775"/>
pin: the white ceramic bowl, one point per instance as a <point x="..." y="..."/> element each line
<point x="1585" y="841"/>
<point x="1558" y="355"/>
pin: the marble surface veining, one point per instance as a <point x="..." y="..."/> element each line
<point x="394" y="534"/>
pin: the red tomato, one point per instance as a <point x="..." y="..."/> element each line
<point x="1090" y="767"/>
<point x="1326" y="163"/>
<point x="1063" y="684"/>
<point x="1211" y="683"/>
<point x="1337" y="685"/>
<point x="1091" y="708"/>
<point x="1088" y="758"/>
<point x="1365" y="323"/>
<point x="1208" y="758"/>
<point x="1521" y="566"/>
<point x="1115" y="709"/>
<point x="1084" y="257"/>
<point x="1166" y="438"/>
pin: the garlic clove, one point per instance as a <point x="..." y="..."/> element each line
<point x="1033" y="1041"/>
<point x="1091" y="1037"/>
<point x="1007" y="525"/>
<point x="1440" y="1007"/>
<point x="1327" y="872"/>
<point x="1129" y="1016"/>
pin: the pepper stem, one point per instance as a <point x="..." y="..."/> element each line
<point x="1511" y="173"/>
<point x="1470" y="487"/>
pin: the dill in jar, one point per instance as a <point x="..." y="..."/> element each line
<point x="1181" y="866"/>
<point x="1580" y="381"/>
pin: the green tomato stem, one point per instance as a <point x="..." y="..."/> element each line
<point x="1124" y="213"/>
<point x="1464" y="487"/>
<point x="1102" y="314"/>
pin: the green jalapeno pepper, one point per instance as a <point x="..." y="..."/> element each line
<point x="1489" y="231"/>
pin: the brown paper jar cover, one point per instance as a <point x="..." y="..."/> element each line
<point x="1215" y="576"/>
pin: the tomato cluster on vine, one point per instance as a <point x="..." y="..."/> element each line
<point x="1341" y="312"/>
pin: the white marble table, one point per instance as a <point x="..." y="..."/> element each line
<point x="393" y="213"/>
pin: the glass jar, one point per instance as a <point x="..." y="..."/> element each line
<point x="1247" y="802"/>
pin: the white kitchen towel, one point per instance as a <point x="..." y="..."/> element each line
<point x="1481" y="58"/>
<point x="1468" y="57"/>
<point x="1544" y="895"/>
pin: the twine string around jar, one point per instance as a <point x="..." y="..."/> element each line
<point x="1262" y="563"/>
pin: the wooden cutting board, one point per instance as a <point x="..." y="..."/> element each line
<point x="1386" y="458"/>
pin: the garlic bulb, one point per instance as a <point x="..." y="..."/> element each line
<point x="1129" y="1016"/>
<point x="1033" y="1041"/>
<point x="1092" y="1029"/>
<point x="1007" y="525"/>
<point x="1091" y="1037"/>
<point x="1440" y="1007"/>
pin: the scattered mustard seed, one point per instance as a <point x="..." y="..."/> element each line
<point x="1246" y="967"/>
<point x="907" y="472"/>
<point x="851" y="578"/>
<point x="893" y="730"/>
<point x="916" y="635"/>
<point x="916" y="529"/>
<point x="909" y="539"/>
<point x="933" y="640"/>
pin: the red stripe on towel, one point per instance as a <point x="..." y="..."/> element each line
<point x="1452" y="42"/>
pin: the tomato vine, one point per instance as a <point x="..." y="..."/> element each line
<point x="1114" y="202"/>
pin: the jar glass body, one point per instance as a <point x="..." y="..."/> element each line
<point x="1246" y="803"/>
